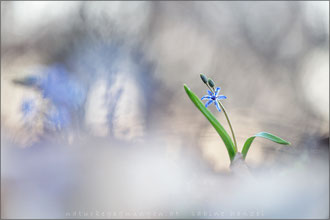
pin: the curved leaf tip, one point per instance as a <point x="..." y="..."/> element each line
<point x="186" y="88"/>
<point x="266" y="135"/>
<point x="272" y="137"/>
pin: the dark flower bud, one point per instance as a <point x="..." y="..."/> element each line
<point x="211" y="83"/>
<point x="204" y="78"/>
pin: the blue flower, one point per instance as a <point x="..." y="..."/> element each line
<point x="213" y="97"/>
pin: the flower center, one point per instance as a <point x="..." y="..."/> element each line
<point x="213" y="97"/>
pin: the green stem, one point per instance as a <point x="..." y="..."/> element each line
<point x="229" y="123"/>
<point x="228" y="120"/>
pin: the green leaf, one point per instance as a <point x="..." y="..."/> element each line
<point x="218" y="127"/>
<point x="266" y="135"/>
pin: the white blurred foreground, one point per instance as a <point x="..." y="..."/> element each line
<point x="144" y="181"/>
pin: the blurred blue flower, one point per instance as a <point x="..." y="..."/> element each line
<point x="213" y="98"/>
<point x="28" y="105"/>
<point x="59" y="117"/>
<point x="60" y="88"/>
<point x="65" y="92"/>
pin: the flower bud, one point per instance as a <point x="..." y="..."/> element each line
<point x="211" y="83"/>
<point x="204" y="78"/>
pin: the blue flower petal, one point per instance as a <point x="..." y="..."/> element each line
<point x="217" y="90"/>
<point x="206" y="97"/>
<point x="221" y="97"/>
<point x="210" y="93"/>
<point x="208" y="103"/>
<point x="218" y="106"/>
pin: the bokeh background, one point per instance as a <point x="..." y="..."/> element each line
<point x="95" y="122"/>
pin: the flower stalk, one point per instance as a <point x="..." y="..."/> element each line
<point x="226" y="115"/>
<point x="229" y="123"/>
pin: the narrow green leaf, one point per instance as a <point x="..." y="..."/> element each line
<point x="266" y="135"/>
<point x="218" y="127"/>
